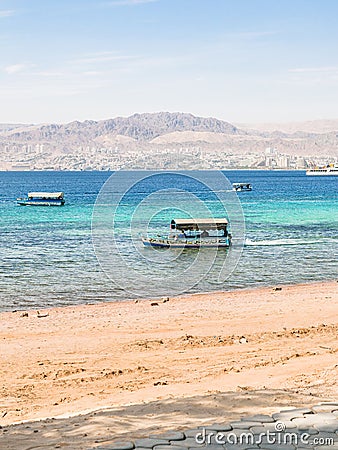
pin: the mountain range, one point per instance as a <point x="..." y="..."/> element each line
<point x="162" y="131"/>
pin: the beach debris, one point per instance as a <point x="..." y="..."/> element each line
<point x="165" y="299"/>
<point x="39" y="315"/>
<point x="244" y="388"/>
<point x="326" y="348"/>
<point x="24" y="314"/>
<point x="243" y="340"/>
<point x="277" y="289"/>
<point x="160" y="383"/>
<point x="136" y="301"/>
<point x="154" y="304"/>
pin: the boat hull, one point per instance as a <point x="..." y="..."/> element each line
<point x="156" y="243"/>
<point x="40" y="203"/>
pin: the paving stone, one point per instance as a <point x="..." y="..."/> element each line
<point x="326" y="435"/>
<point x="305" y="430"/>
<point x="292" y="413"/>
<point x="259" y="418"/>
<point x="264" y="431"/>
<point x="220" y="427"/>
<point x="258" y="430"/>
<point x="325" y="407"/>
<point x="243" y="438"/>
<point x="330" y="403"/>
<point x="271" y="427"/>
<point x="192" y="432"/>
<point x="118" y="445"/>
<point x="218" y="438"/>
<point x="240" y="447"/>
<point x="238" y="432"/>
<point x="170" y="436"/>
<point x="188" y="443"/>
<point x="244" y="424"/>
<point x="209" y="447"/>
<point x="277" y="446"/>
<point x="310" y="422"/>
<point x="150" y="443"/>
<point x="326" y="447"/>
<point x="168" y="447"/>
<point x="330" y="427"/>
<point x="321" y="416"/>
<point x="319" y="424"/>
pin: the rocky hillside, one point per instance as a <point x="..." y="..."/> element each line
<point x="140" y="127"/>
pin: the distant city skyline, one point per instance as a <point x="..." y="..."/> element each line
<point x="240" y="61"/>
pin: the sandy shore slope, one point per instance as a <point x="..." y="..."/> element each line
<point x="190" y="360"/>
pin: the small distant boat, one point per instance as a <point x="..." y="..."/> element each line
<point x="194" y="234"/>
<point x="326" y="170"/>
<point x="239" y="187"/>
<point x="42" y="199"/>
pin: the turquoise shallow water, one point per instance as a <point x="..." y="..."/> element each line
<point x="47" y="255"/>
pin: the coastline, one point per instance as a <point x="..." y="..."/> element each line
<point x="127" y="300"/>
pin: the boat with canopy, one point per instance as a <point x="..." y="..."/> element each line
<point x="42" y="199"/>
<point x="193" y="233"/>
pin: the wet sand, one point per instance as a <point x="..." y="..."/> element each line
<point x="190" y="360"/>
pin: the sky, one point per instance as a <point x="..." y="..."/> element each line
<point x="237" y="60"/>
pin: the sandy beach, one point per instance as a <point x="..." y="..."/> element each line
<point x="133" y="367"/>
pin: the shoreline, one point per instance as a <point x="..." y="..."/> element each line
<point x="184" y="295"/>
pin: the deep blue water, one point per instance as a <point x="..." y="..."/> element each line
<point x="47" y="254"/>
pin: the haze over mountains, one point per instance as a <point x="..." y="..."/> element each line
<point x="159" y="133"/>
<point x="310" y="126"/>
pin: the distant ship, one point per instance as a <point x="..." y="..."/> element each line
<point x="326" y="170"/>
<point x="239" y="187"/>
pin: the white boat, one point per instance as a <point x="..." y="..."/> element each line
<point x="239" y="187"/>
<point x="193" y="234"/>
<point x="326" y="170"/>
<point x="42" y="199"/>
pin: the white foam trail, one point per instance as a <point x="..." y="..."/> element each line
<point x="277" y="242"/>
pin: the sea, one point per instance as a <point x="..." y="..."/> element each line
<point x="90" y="250"/>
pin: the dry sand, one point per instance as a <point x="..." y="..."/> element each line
<point x="195" y="359"/>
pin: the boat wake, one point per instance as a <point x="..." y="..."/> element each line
<point x="277" y="242"/>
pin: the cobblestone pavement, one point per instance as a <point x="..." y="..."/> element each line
<point x="315" y="428"/>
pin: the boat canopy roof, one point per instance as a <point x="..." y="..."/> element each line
<point x="241" y="184"/>
<point x="199" y="224"/>
<point x="49" y="195"/>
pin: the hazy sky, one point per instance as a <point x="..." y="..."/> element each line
<point x="238" y="60"/>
